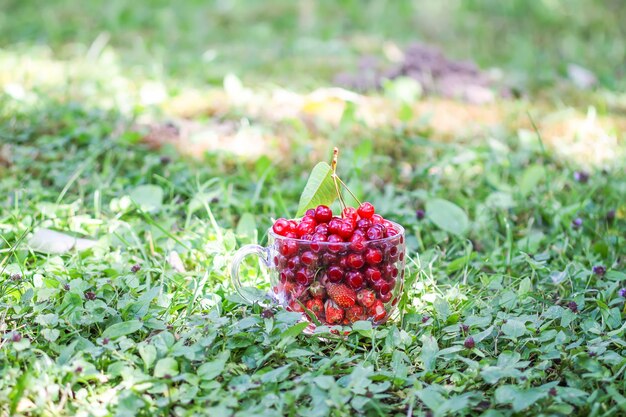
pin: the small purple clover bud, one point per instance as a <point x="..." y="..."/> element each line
<point x="573" y="306"/>
<point x="135" y="268"/>
<point x="469" y="343"/>
<point x="581" y="177"/>
<point x="599" y="270"/>
<point x="267" y="313"/>
<point x="420" y="214"/>
<point x="610" y="216"/>
<point x="425" y="319"/>
<point x="622" y="292"/>
<point x="16" y="277"/>
<point x="577" y="223"/>
<point x="16" y="337"/>
<point x="552" y="392"/>
<point x="90" y="295"/>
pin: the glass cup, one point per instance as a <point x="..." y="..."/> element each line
<point x="332" y="283"/>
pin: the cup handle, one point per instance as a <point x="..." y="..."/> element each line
<point x="246" y="250"/>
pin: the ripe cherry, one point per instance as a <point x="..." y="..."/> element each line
<point x="364" y="224"/>
<point x="373" y="256"/>
<point x="383" y="287"/>
<point x="303" y="276"/>
<point x="308" y="258"/>
<point x="310" y="213"/>
<point x="373" y="274"/>
<point x="329" y="259"/>
<point x="281" y="226"/>
<point x="286" y="275"/>
<point x="315" y="242"/>
<point x="375" y="232"/>
<point x="322" y="229"/>
<point x="386" y="297"/>
<point x="293" y="263"/>
<point x="306" y="227"/>
<point x="335" y="243"/>
<point x="335" y="273"/>
<point x="323" y="214"/>
<point x="354" y="279"/>
<point x="288" y="247"/>
<point x="350" y="213"/>
<point x="355" y="260"/>
<point x="357" y="243"/>
<point x="377" y="219"/>
<point x="366" y="210"/>
<point x="334" y="225"/>
<point x="345" y="230"/>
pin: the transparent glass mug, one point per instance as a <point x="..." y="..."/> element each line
<point x="332" y="283"/>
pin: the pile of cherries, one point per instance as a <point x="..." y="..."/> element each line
<point x="341" y="269"/>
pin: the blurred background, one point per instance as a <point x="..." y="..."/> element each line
<point x="305" y="42"/>
<point x="201" y="59"/>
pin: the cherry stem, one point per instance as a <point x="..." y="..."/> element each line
<point x="349" y="192"/>
<point x="333" y="165"/>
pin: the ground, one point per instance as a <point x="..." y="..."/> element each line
<point x="165" y="138"/>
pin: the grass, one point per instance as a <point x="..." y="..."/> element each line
<point x="125" y="329"/>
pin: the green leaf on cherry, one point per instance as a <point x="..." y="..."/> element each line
<point x="319" y="189"/>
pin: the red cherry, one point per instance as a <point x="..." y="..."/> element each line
<point x="392" y="231"/>
<point x="383" y="287"/>
<point x="305" y="227"/>
<point x="334" y="225"/>
<point x="291" y="235"/>
<point x="323" y="214"/>
<point x="335" y="273"/>
<point x="315" y="245"/>
<point x="303" y="276"/>
<point x="372" y="274"/>
<point x="310" y="213"/>
<point x="375" y="232"/>
<point x="293" y="263"/>
<point x="350" y="213"/>
<point x="373" y="256"/>
<point x="328" y="259"/>
<point x="357" y="243"/>
<point x="354" y="279"/>
<point x="355" y="260"/>
<point x="286" y="276"/>
<point x="377" y="219"/>
<point x="366" y="210"/>
<point x="390" y="271"/>
<point x="308" y="258"/>
<point x="364" y="224"/>
<point x="322" y="229"/>
<point x="335" y="243"/>
<point x="293" y="225"/>
<point x="288" y="247"/>
<point x="346" y="229"/>
<point x="281" y="226"/>
<point x="385" y="297"/>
